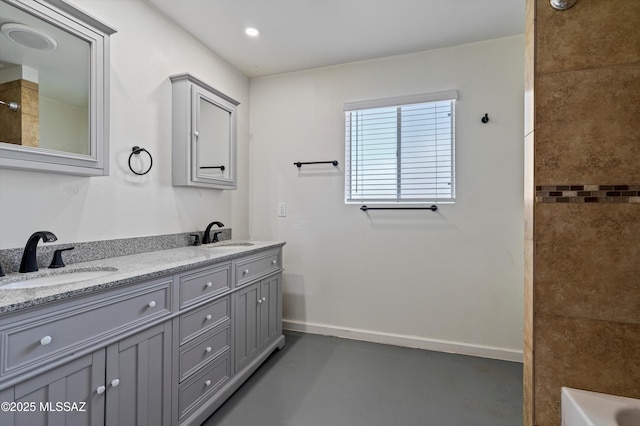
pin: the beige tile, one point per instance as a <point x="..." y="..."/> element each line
<point x="586" y="126"/>
<point x="587" y="261"/>
<point x="584" y="354"/>
<point x="592" y="34"/>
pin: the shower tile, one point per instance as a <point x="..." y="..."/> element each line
<point x="586" y="261"/>
<point x="600" y="356"/>
<point x="586" y="127"/>
<point x="591" y="34"/>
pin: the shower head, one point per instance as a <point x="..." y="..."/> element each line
<point x="562" y="4"/>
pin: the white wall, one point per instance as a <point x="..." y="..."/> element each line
<point x="450" y="280"/>
<point x="145" y="51"/>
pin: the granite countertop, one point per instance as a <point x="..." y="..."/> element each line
<point x="128" y="269"/>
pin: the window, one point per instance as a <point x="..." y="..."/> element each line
<point x="401" y="150"/>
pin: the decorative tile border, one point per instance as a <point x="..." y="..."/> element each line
<point x="624" y="194"/>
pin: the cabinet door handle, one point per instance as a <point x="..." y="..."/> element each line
<point x="115" y="382"/>
<point x="196" y="133"/>
<point x="264" y="299"/>
<point x="209" y="284"/>
<point x="208" y="349"/>
<point x="273" y="262"/>
<point x="100" y="390"/>
<point x="208" y="317"/>
<point x="45" y="340"/>
<point x="152" y="304"/>
<point x="260" y="300"/>
<point x="207" y="383"/>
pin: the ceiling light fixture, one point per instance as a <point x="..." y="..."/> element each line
<point x="252" y="32"/>
<point x="28" y="36"/>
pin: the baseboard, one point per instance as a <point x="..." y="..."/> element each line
<point x="406" y="341"/>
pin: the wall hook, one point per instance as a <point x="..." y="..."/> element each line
<point x="485" y="119"/>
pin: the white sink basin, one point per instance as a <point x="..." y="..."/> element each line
<point x="585" y="408"/>
<point x="55" y="278"/>
<point x="229" y="244"/>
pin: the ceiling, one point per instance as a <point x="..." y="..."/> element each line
<point x="303" y="34"/>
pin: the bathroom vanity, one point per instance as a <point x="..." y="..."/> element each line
<point x="164" y="339"/>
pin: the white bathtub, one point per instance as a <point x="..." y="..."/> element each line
<point x="585" y="408"/>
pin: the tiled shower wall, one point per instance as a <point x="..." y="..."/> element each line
<point x="582" y="153"/>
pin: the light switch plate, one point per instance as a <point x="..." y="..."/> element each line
<point x="282" y="209"/>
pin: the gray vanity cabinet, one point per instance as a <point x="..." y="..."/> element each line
<point x="258" y="313"/>
<point x="162" y="352"/>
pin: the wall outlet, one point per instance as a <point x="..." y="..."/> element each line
<point x="282" y="209"/>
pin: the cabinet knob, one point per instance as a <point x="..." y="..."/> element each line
<point x="208" y="349"/>
<point x="260" y="300"/>
<point x="100" y="390"/>
<point x="152" y="304"/>
<point x="264" y="299"/>
<point x="45" y="340"/>
<point x="115" y="382"/>
<point x="208" y="317"/>
<point x="209" y="284"/>
<point x="207" y="383"/>
<point x="273" y="262"/>
<point x="246" y="271"/>
<point x="196" y="133"/>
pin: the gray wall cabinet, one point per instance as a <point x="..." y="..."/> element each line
<point x="162" y="352"/>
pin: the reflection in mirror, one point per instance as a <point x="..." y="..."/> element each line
<point x="45" y="69"/>
<point x="214" y="155"/>
<point x="54" y="72"/>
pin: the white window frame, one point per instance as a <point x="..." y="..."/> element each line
<point x="351" y="197"/>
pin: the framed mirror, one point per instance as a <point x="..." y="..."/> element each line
<point x="54" y="88"/>
<point x="204" y="135"/>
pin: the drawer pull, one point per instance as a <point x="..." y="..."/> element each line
<point x="208" y="349"/>
<point x="115" y="382"/>
<point x="152" y="304"/>
<point x="273" y="262"/>
<point x="208" y="317"/>
<point x="45" y="340"/>
<point x="246" y="271"/>
<point x="100" y="390"/>
<point x="207" y="383"/>
<point x="209" y="284"/>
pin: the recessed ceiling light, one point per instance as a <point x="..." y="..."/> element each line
<point x="28" y="36"/>
<point x="252" y="32"/>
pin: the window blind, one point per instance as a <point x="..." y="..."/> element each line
<point x="401" y="150"/>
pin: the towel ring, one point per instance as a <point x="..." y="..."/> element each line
<point x="137" y="150"/>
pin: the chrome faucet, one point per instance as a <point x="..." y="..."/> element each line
<point x="29" y="261"/>
<point x="206" y="239"/>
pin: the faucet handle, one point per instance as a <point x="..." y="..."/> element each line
<point x="215" y="236"/>
<point x="196" y="241"/>
<point x="57" y="262"/>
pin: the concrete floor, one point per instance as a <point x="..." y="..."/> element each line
<point x="326" y="381"/>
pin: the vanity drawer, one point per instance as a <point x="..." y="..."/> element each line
<point x="205" y="318"/>
<point x="194" y="355"/>
<point x="204" y="384"/>
<point x="257" y="266"/>
<point x="75" y="325"/>
<point x="204" y="283"/>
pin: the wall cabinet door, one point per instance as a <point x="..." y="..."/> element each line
<point x="72" y="394"/>
<point x="258" y="309"/>
<point x="139" y="379"/>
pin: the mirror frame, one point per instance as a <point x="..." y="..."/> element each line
<point x="187" y="91"/>
<point x="96" y="33"/>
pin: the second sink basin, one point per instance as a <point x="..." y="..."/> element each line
<point x="55" y="278"/>
<point x="229" y="244"/>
